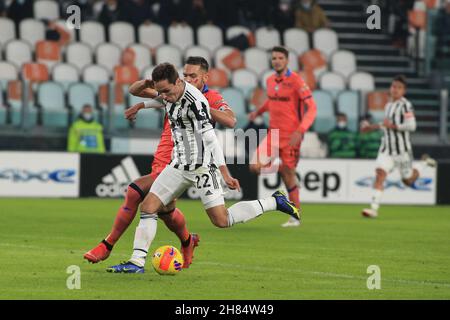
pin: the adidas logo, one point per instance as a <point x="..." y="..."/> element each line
<point x="115" y="183"/>
<point x="208" y="193"/>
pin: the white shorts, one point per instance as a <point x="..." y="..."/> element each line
<point x="172" y="182"/>
<point x="403" y="162"/>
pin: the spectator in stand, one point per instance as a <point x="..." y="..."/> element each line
<point x="310" y="16"/>
<point x="138" y="12"/>
<point x="341" y="141"/>
<point x="399" y="14"/>
<point x="368" y="142"/>
<point x="443" y="27"/>
<point x="56" y="33"/>
<point x="198" y="14"/>
<point x="86" y="134"/>
<point x="283" y="16"/>
<point x="18" y="10"/>
<point x="173" y="11"/>
<point x="112" y="11"/>
<point x="224" y="13"/>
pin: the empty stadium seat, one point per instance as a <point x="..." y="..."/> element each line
<point x="256" y="60"/>
<point x="348" y="103"/>
<point x="343" y="62"/>
<point x="236" y="101"/>
<point x="147" y="72"/>
<point x="363" y="81"/>
<point x="181" y="36"/>
<point x="51" y="101"/>
<point x="28" y="117"/>
<point x="297" y="40"/>
<point x="293" y="61"/>
<point x="245" y="80"/>
<point x="143" y="57"/>
<point x="8" y="72"/>
<point x="199" y="52"/>
<point x="312" y="147"/>
<point x="32" y="30"/>
<point x="267" y="38"/>
<point x="315" y="61"/>
<point x="218" y="78"/>
<point x="78" y="95"/>
<point x="8" y="30"/>
<point x="325" y="40"/>
<point x="264" y="76"/>
<point x="79" y="54"/>
<point x="146" y="119"/>
<point x="108" y="55"/>
<point x="151" y="35"/>
<point x="210" y="37"/>
<point x="121" y="34"/>
<point x="332" y="82"/>
<point x="376" y="101"/>
<point x="325" y="119"/>
<point x="169" y="53"/>
<point x="92" y="33"/>
<point x="46" y="9"/>
<point x="18" y="52"/>
<point x="48" y="53"/>
<point x="65" y="74"/>
<point x="96" y="75"/>
<point x="228" y="59"/>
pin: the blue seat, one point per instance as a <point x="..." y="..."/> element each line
<point x="80" y="94"/>
<point x="146" y="119"/>
<point x="235" y="99"/>
<point x="16" y="113"/>
<point x="348" y="103"/>
<point x="51" y="100"/>
<point x="325" y="119"/>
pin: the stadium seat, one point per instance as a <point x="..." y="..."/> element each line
<point x="46" y="9"/>
<point x="312" y="147"/>
<point x="147" y="72"/>
<point x="108" y="56"/>
<point x="376" y="101"/>
<point x="147" y="119"/>
<point x="363" y="81"/>
<point x="218" y="78"/>
<point x="325" y="40"/>
<point x="169" y="53"/>
<point x="297" y="40"/>
<point x="348" y="103"/>
<point x="315" y="61"/>
<point x="431" y="4"/>
<point x="48" y="53"/>
<point x="199" y="52"/>
<point x="14" y="100"/>
<point x="143" y="57"/>
<point x="234" y="31"/>
<point x="210" y="37"/>
<point x="92" y="33"/>
<point x="8" y="30"/>
<point x="151" y="35"/>
<point x="8" y="72"/>
<point x="181" y="36"/>
<point x="245" y="80"/>
<point x="325" y="119"/>
<point x="51" y="101"/>
<point x="79" y="54"/>
<point x="228" y="59"/>
<point x="18" y="52"/>
<point x="309" y="77"/>
<point x="35" y="72"/>
<point x="125" y="75"/>
<point x="343" y="62"/>
<point x="121" y="34"/>
<point x="32" y="30"/>
<point x="78" y="95"/>
<point x="96" y="75"/>
<point x="65" y="74"/>
<point x="264" y="76"/>
<point x="236" y="100"/>
<point x="257" y="99"/>
<point x="293" y="61"/>
<point x="267" y="38"/>
<point x="332" y="82"/>
<point x="256" y="60"/>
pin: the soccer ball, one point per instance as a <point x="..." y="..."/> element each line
<point x="167" y="260"/>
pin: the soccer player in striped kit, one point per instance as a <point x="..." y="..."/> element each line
<point x="395" y="150"/>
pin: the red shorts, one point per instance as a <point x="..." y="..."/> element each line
<point x="269" y="149"/>
<point x="157" y="167"/>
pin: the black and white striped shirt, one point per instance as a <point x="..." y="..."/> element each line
<point x="397" y="141"/>
<point x="189" y="117"/>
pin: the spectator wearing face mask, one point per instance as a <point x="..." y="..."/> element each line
<point x="341" y="141"/>
<point x="310" y="16"/>
<point x="86" y="134"/>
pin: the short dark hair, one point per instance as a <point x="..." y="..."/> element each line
<point x="165" y="71"/>
<point x="341" y="114"/>
<point x="281" y="49"/>
<point x="198" y="61"/>
<point x="401" y="78"/>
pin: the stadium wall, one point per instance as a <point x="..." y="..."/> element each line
<point x="71" y="175"/>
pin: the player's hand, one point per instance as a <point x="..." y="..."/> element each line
<point x="149" y="83"/>
<point x="296" y="138"/>
<point x="131" y="112"/>
<point x="388" y="124"/>
<point x="252" y="116"/>
<point x="232" y="183"/>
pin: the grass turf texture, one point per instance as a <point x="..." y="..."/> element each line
<point x="326" y="258"/>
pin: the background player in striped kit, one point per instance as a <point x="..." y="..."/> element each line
<point x="395" y="149"/>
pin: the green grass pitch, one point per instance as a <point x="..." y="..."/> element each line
<point x="326" y="258"/>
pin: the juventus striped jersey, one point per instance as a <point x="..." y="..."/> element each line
<point x="397" y="141"/>
<point x="189" y="118"/>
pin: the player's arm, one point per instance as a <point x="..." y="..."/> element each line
<point x="409" y="120"/>
<point x="143" y="88"/>
<point x="131" y="112"/>
<point x="307" y="99"/>
<point x="222" y="113"/>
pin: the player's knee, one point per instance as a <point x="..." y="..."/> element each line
<point x="381" y="174"/>
<point x="220" y="222"/>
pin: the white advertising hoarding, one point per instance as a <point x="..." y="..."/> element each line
<point x="39" y="174"/>
<point x="350" y="181"/>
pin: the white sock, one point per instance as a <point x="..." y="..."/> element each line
<point x="247" y="210"/>
<point x="143" y="237"/>
<point x="376" y="198"/>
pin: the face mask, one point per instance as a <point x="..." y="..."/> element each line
<point x="87" y="116"/>
<point x="342" y="124"/>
